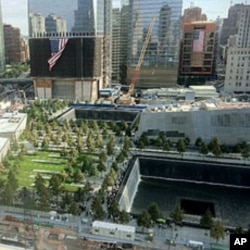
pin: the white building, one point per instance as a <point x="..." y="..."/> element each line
<point x="4" y="147"/>
<point x="12" y="125"/>
<point x="230" y="122"/>
<point x="113" y="230"/>
<point x="237" y="78"/>
<point x="36" y="24"/>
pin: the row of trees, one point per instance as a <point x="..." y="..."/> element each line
<point x="181" y="145"/>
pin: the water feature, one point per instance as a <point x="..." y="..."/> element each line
<point x="224" y="189"/>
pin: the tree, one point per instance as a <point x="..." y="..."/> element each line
<point x="74" y="209"/>
<point x="8" y="197"/>
<point x="144" y="219"/>
<point x="203" y="149"/>
<point x="217" y="230"/>
<point x="124" y="217"/>
<point x="101" y="166"/>
<point x="166" y="146"/>
<point x="96" y="206"/>
<point x="198" y="142"/>
<point x="103" y="156"/>
<point x="207" y="219"/>
<point x="154" y="211"/>
<point x="39" y="183"/>
<point x="177" y="214"/>
<point x="12" y="180"/>
<point x="110" y="148"/>
<point x="180" y="146"/>
<point x="55" y="185"/>
<point x="90" y="143"/>
<point x="214" y="146"/>
<point x="187" y="141"/>
<point x="114" y="209"/>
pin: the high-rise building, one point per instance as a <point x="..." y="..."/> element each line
<point x="230" y="24"/>
<point x="197" y="53"/>
<point x="2" y="57"/>
<point x="85" y="28"/>
<point x="237" y="76"/>
<point x="116" y="45"/>
<point x="55" y="24"/>
<point x="36" y="25"/>
<point x="14" y="46"/>
<point x="160" y="64"/>
<point x="193" y="14"/>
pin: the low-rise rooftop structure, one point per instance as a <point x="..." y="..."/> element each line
<point x="12" y="125"/>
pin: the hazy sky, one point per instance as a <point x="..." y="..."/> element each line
<point x="15" y="11"/>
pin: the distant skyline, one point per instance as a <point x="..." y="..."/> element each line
<point x="14" y="12"/>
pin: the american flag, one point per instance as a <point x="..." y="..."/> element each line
<point x="57" y="47"/>
<point x="198" y="41"/>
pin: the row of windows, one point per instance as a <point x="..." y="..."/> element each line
<point x="240" y="65"/>
<point x="188" y="63"/>
<point x="189" y="42"/>
<point x="191" y="35"/>
<point x="206" y="56"/>
<point x="239" y="58"/>
<point x="189" y="49"/>
<point x="238" y="52"/>
<point x="240" y="84"/>
<point x="197" y="69"/>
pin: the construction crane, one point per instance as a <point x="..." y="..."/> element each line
<point x="126" y="99"/>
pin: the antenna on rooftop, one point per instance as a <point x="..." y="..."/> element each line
<point x="231" y="3"/>
<point x="191" y="4"/>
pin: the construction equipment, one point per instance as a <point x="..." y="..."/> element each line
<point x="126" y="99"/>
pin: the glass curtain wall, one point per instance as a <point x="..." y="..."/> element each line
<point x="160" y="64"/>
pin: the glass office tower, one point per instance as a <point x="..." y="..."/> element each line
<point x="160" y="64"/>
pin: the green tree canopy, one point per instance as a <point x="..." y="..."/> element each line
<point x="217" y="230"/>
<point x="154" y="211"/>
<point x="207" y="219"/>
<point x="144" y="219"/>
<point x="177" y="214"/>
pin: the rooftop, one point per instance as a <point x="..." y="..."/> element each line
<point x="113" y="226"/>
<point x="213" y="104"/>
<point x="9" y="122"/>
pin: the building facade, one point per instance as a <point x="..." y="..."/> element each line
<point x="237" y="77"/>
<point x="116" y="45"/>
<point x="55" y="24"/>
<point x="197" y="53"/>
<point x="229" y="122"/>
<point x="2" y="53"/>
<point x="230" y="24"/>
<point x="80" y="23"/>
<point x="193" y="14"/>
<point x="160" y="64"/>
<point x="15" y="50"/>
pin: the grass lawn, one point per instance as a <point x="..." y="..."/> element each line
<point x="30" y="165"/>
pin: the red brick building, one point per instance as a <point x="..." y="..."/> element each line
<point x="197" y="50"/>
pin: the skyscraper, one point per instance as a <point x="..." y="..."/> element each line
<point x="2" y="57"/>
<point x="197" y="53"/>
<point x="160" y="64"/>
<point x="237" y="77"/>
<point x="85" y="64"/>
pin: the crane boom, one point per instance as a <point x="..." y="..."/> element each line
<point x="141" y="57"/>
